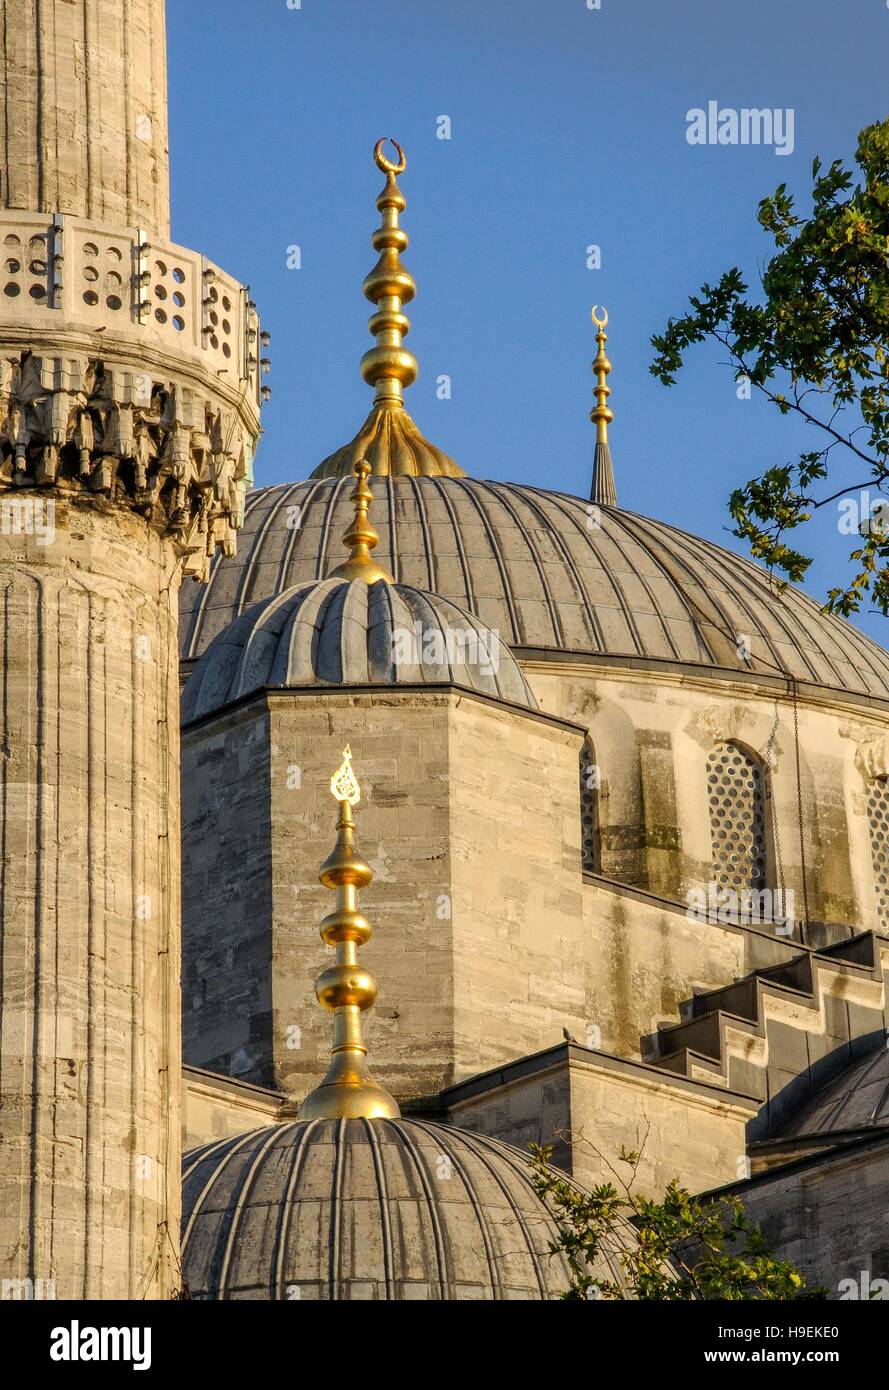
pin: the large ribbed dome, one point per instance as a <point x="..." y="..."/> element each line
<point x="858" y="1098"/>
<point x="336" y="632"/>
<point x="367" y="1209"/>
<point x="547" y="572"/>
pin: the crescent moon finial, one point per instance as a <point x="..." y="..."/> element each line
<point x="386" y="164"/>
<point x="601" y="415"/>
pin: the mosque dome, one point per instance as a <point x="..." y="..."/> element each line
<point x="550" y="573"/>
<point x="350" y="1200"/>
<point x="856" y="1098"/>
<point x="349" y="632"/>
<point x="368" y="1209"/>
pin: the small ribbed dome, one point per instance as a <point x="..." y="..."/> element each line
<point x="858" y="1098"/>
<point x="337" y="632"/>
<point x="367" y="1209"/>
<point x="549" y="572"/>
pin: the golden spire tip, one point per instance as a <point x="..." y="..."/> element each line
<point x="389" y="367"/>
<point x="348" y="1091"/>
<point x="361" y="538"/>
<point x="601" y="416"/>
<point x="344" y="785"/>
<point x="389" y="438"/>
<point x="603" y="490"/>
<point x="386" y="164"/>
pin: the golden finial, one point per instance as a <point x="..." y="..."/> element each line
<point x="389" y="439"/>
<point x="601" y="416"/>
<point x="361" y="538"/>
<point x="348" y="1091"/>
<point x="603" y="490"/>
<point x="344" y="784"/>
<point x="389" y="367"/>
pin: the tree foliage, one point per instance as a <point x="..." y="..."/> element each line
<point x="815" y="344"/>
<point x="678" y="1248"/>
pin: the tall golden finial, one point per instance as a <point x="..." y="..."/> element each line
<point x="348" y="1091"/>
<point x="603" y="490"/>
<point x="389" y="439"/>
<point x="361" y="538"/>
<point x="389" y="367"/>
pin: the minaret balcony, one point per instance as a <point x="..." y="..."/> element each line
<point x="131" y="369"/>
<point x="64" y="274"/>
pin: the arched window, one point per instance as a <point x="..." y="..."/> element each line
<point x="737" y="819"/>
<point x="590" y="782"/>
<point x="878" y="822"/>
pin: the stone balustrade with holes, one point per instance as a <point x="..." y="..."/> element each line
<point x="129" y="367"/>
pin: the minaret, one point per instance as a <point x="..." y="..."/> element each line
<point x="129" y="381"/>
<point x="603" y="491"/>
<point x="389" y="439"/>
<point x="348" y="1091"/>
<point x="84" y="124"/>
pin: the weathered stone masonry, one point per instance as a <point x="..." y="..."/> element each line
<point x="129" y="416"/>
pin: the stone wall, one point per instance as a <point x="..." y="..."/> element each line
<point x="645" y="959"/>
<point x="590" y="1106"/>
<point x="520" y="946"/>
<point x="215" y="1108"/>
<point x="471" y="812"/>
<point x="830" y="1216"/>
<point x="227" y="986"/>
<point x="476" y="903"/>
<point x="653" y="731"/>
<point x="89" y="1061"/>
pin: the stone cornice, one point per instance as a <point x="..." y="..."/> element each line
<point x="566" y="1055"/>
<point x="548" y="661"/>
<point x="431" y="693"/>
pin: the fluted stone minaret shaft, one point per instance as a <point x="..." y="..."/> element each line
<point x="83" y="127"/>
<point x="129" y="414"/>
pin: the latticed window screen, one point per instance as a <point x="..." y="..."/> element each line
<point x="878" y="820"/>
<point x="589" y="810"/>
<point x="737" y="818"/>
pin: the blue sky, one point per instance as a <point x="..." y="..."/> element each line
<point x="568" y="129"/>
